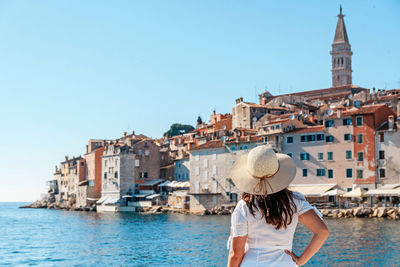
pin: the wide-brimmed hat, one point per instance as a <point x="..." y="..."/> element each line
<point x="262" y="171"/>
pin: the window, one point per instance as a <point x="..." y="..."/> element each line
<point x="349" y="189"/>
<point x="146" y="152"/>
<point x="137" y="163"/>
<point x="289" y="139"/>
<point x="330" y="155"/>
<point x="290" y="154"/>
<point x="320" y="156"/>
<point x="320" y="172"/>
<point x="305" y="172"/>
<point x="329" y="138"/>
<point x="205" y="163"/>
<point x="381" y="137"/>
<point x="215" y="155"/>
<point x="197" y="170"/>
<point x="382" y="173"/>
<point x="330" y="173"/>
<point x="359" y="138"/>
<point x="348" y="154"/>
<point x="360" y="156"/>
<point x="115" y="174"/>
<point x="233" y="148"/>
<point x="91" y="183"/>
<point x="329" y="123"/>
<point x="304" y="156"/>
<point x="359" y="174"/>
<point x="197" y="157"/>
<point x="214" y="169"/>
<point x="381" y="154"/>
<point x="205" y="175"/>
<point x="349" y="173"/>
<point x="139" y="152"/>
<point x="302" y="138"/>
<point x="347" y="137"/>
<point x="145" y="175"/>
<point x="105" y="175"/>
<point x="347" y="121"/>
<point x="310" y="138"/>
<point x="359" y="121"/>
<point x="277" y="139"/>
<point x="245" y="147"/>
<point x="116" y="161"/>
<point x="320" y="137"/>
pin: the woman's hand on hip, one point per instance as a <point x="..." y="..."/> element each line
<point x="295" y="258"/>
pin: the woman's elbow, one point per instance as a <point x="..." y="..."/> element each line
<point x="324" y="232"/>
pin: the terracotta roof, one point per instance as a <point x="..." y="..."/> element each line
<point x="245" y="129"/>
<point x="255" y="105"/>
<point x="370" y="109"/>
<point x="318" y="128"/>
<point x="327" y="90"/>
<point x="278" y="121"/>
<point x="209" y="145"/>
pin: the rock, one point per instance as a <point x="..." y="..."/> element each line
<point x="381" y="212"/>
<point x="393" y="215"/>
<point x="357" y="212"/>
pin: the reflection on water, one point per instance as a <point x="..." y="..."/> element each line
<point x="52" y="237"/>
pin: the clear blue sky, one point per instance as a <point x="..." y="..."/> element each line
<point x="74" y="70"/>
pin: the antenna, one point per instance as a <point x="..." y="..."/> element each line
<point x="330" y="112"/>
<point x="292" y="117"/>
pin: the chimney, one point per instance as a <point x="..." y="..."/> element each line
<point x="87" y="149"/>
<point x="339" y="113"/>
<point x="66" y="158"/>
<point x="390" y="122"/>
<point x="239" y="100"/>
<point x="125" y="133"/>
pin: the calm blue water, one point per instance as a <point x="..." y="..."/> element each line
<point x="65" y="238"/>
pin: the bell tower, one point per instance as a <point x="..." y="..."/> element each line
<point x="341" y="55"/>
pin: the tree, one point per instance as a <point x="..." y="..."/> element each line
<point x="177" y="129"/>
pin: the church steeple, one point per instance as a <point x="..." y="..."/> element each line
<point x="341" y="55"/>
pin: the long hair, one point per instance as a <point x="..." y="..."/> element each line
<point x="277" y="208"/>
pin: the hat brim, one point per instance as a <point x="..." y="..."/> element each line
<point x="245" y="182"/>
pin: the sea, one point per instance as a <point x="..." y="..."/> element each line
<point x="41" y="237"/>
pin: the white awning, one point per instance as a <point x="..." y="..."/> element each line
<point x="389" y="186"/>
<point x="111" y="201"/>
<point x="101" y="200"/>
<point x="358" y="192"/>
<point x="91" y="199"/>
<point x="311" y="190"/>
<point x="166" y="183"/>
<point x="384" y="192"/>
<point x="153" y="196"/>
<point x="334" y="192"/>
<point x="127" y="196"/>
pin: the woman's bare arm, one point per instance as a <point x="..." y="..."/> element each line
<point x="316" y="225"/>
<point x="237" y="252"/>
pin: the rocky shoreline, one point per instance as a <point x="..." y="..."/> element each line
<point x="360" y="212"/>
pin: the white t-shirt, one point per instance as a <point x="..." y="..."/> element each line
<point x="265" y="245"/>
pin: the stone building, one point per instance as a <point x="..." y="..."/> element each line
<point x="118" y="175"/>
<point x="69" y="179"/>
<point x="209" y="166"/>
<point x="182" y="169"/>
<point x="387" y="140"/>
<point x="147" y="160"/>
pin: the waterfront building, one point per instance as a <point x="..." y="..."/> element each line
<point x="68" y="180"/>
<point x="387" y="140"/>
<point x="181" y="169"/>
<point x="118" y="172"/>
<point x="147" y="160"/>
<point x="209" y="166"/>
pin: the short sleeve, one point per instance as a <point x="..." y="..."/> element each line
<point x="239" y="220"/>
<point x="303" y="205"/>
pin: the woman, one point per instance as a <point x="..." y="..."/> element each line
<point x="265" y="219"/>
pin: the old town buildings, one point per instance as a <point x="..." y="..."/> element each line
<point x="342" y="137"/>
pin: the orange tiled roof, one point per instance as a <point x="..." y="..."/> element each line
<point x="370" y="109"/>
<point x="278" y="121"/>
<point x="311" y="129"/>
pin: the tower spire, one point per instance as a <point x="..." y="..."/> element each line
<point x="341" y="54"/>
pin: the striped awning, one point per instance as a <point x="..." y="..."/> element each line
<point x="311" y="190"/>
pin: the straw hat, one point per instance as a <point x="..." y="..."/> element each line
<point x="262" y="171"/>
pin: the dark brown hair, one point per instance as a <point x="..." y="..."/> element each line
<point x="279" y="208"/>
